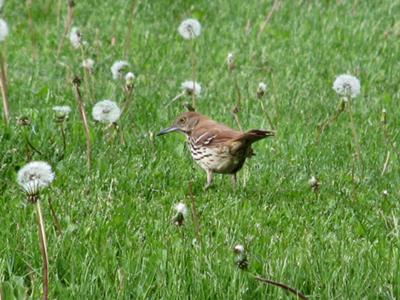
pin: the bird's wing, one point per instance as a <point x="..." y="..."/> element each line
<point x="211" y="134"/>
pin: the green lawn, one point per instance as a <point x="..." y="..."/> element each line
<point x="118" y="241"/>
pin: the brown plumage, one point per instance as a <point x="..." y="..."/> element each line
<point x="214" y="146"/>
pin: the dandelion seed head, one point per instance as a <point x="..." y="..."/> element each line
<point x="181" y="208"/>
<point x="313" y="181"/>
<point x="347" y="86"/>
<point x="118" y="67"/>
<point x="3" y="30"/>
<point x="239" y="249"/>
<point x="129" y="78"/>
<point x="385" y="193"/>
<point x="262" y="87"/>
<point x="189" y="29"/>
<point x="75" y="37"/>
<point x="35" y="176"/>
<point x="191" y="87"/>
<point x="88" y="64"/>
<point x="106" y="111"/>
<point x="62" y="111"/>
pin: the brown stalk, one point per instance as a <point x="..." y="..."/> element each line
<point x="43" y="250"/>
<point x="328" y="123"/>
<point x="195" y="215"/>
<point x="31" y="29"/>
<point x="4" y="89"/>
<point x="68" y="24"/>
<point x="57" y="224"/>
<point x="129" y="28"/>
<point x="281" y="285"/>
<point x="76" y="83"/>
<point x="276" y="6"/>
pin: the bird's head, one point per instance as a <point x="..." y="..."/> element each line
<point x="184" y="123"/>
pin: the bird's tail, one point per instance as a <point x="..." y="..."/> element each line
<point x="254" y="135"/>
<point x="245" y="140"/>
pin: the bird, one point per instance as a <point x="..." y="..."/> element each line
<point x="214" y="146"/>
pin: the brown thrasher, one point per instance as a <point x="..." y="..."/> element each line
<point x="214" y="146"/>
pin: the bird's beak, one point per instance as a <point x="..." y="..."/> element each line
<point x="168" y="130"/>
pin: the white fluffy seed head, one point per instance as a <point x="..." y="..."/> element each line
<point x="191" y="87"/>
<point x="239" y="249"/>
<point x="88" y="64"/>
<point x="106" y="111"/>
<point x="118" y="67"/>
<point x="262" y="87"/>
<point x="346" y="85"/>
<point x="313" y="181"/>
<point x="189" y="29"/>
<point x="129" y="78"/>
<point x="3" y="30"/>
<point x="62" y="111"/>
<point x="75" y="37"/>
<point x="35" y="176"/>
<point x="181" y="208"/>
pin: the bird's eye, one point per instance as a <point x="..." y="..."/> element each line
<point x="182" y="120"/>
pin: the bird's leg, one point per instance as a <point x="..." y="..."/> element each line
<point x="209" y="178"/>
<point x="234" y="180"/>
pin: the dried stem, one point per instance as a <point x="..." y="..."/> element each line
<point x="281" y="285"/>
<point x="266" y="114"/>
<point x="328" y="123"/>
<point x="193" y="57"/>
<point x="274" y="8"/>
<point x="236" y="117"/>
<point x="31" y="29"/>
<point x="63" y="139"/>
<point x="388" y="140"/>
<point x="76" y="83"/>
<point x="195" y="215"/>
<point x="4" y="89"/>
<point x="68" y="24"/>
<point x="57" y="223"/>
<point x="129" y="28"/>
<point x="86" y="76"/>
<point x="43" y="250"/>
<point x="355" y="135"/>
<point x="386" y="164"/>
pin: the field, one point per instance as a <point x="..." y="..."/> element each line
<point x="117" y="239"/>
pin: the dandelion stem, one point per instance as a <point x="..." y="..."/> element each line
<point x="30" y="145"/>
<point x="68" y="24"/>
<point x="4" y="89"/>
<point x="57" y="223"/>
<point x="195" y="215"/>
<point x="76" y="82"/>
<point x="355" y="135"/>
<point x="386" y="164"/>
<point x="193" y="57"/>
<point x="266" y="114"/>
<point x="328" y="123"/>
<point x="274" y="8"/>
<point x="43" y="250"/>
<point x="129" y="28"/>
<point x="64" y="141"/>
<point x="280" y="285"/>
<point x="31" y="29"/>
<point x="236" y="117"/>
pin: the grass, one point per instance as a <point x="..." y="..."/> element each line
<point x="118" y="241"/>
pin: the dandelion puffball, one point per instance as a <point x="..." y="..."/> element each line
<point x="238" y="249"/>
<point x="189" y="29"/>
<point x="262" y="87"/>
<point x="62" y="111"/>
<point x="181" y="209"/>
<point x="3" y="30"/>
<point x="75" y="37"/>
<point x="88" y="64"/>
<point x="347" y="86"/>
<point x="35" y="176"/>
<point x="106" y="111"/>
<point x="129" y="78"/>
<point x="191" y="87"/>
<point x="118" y="67"/>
